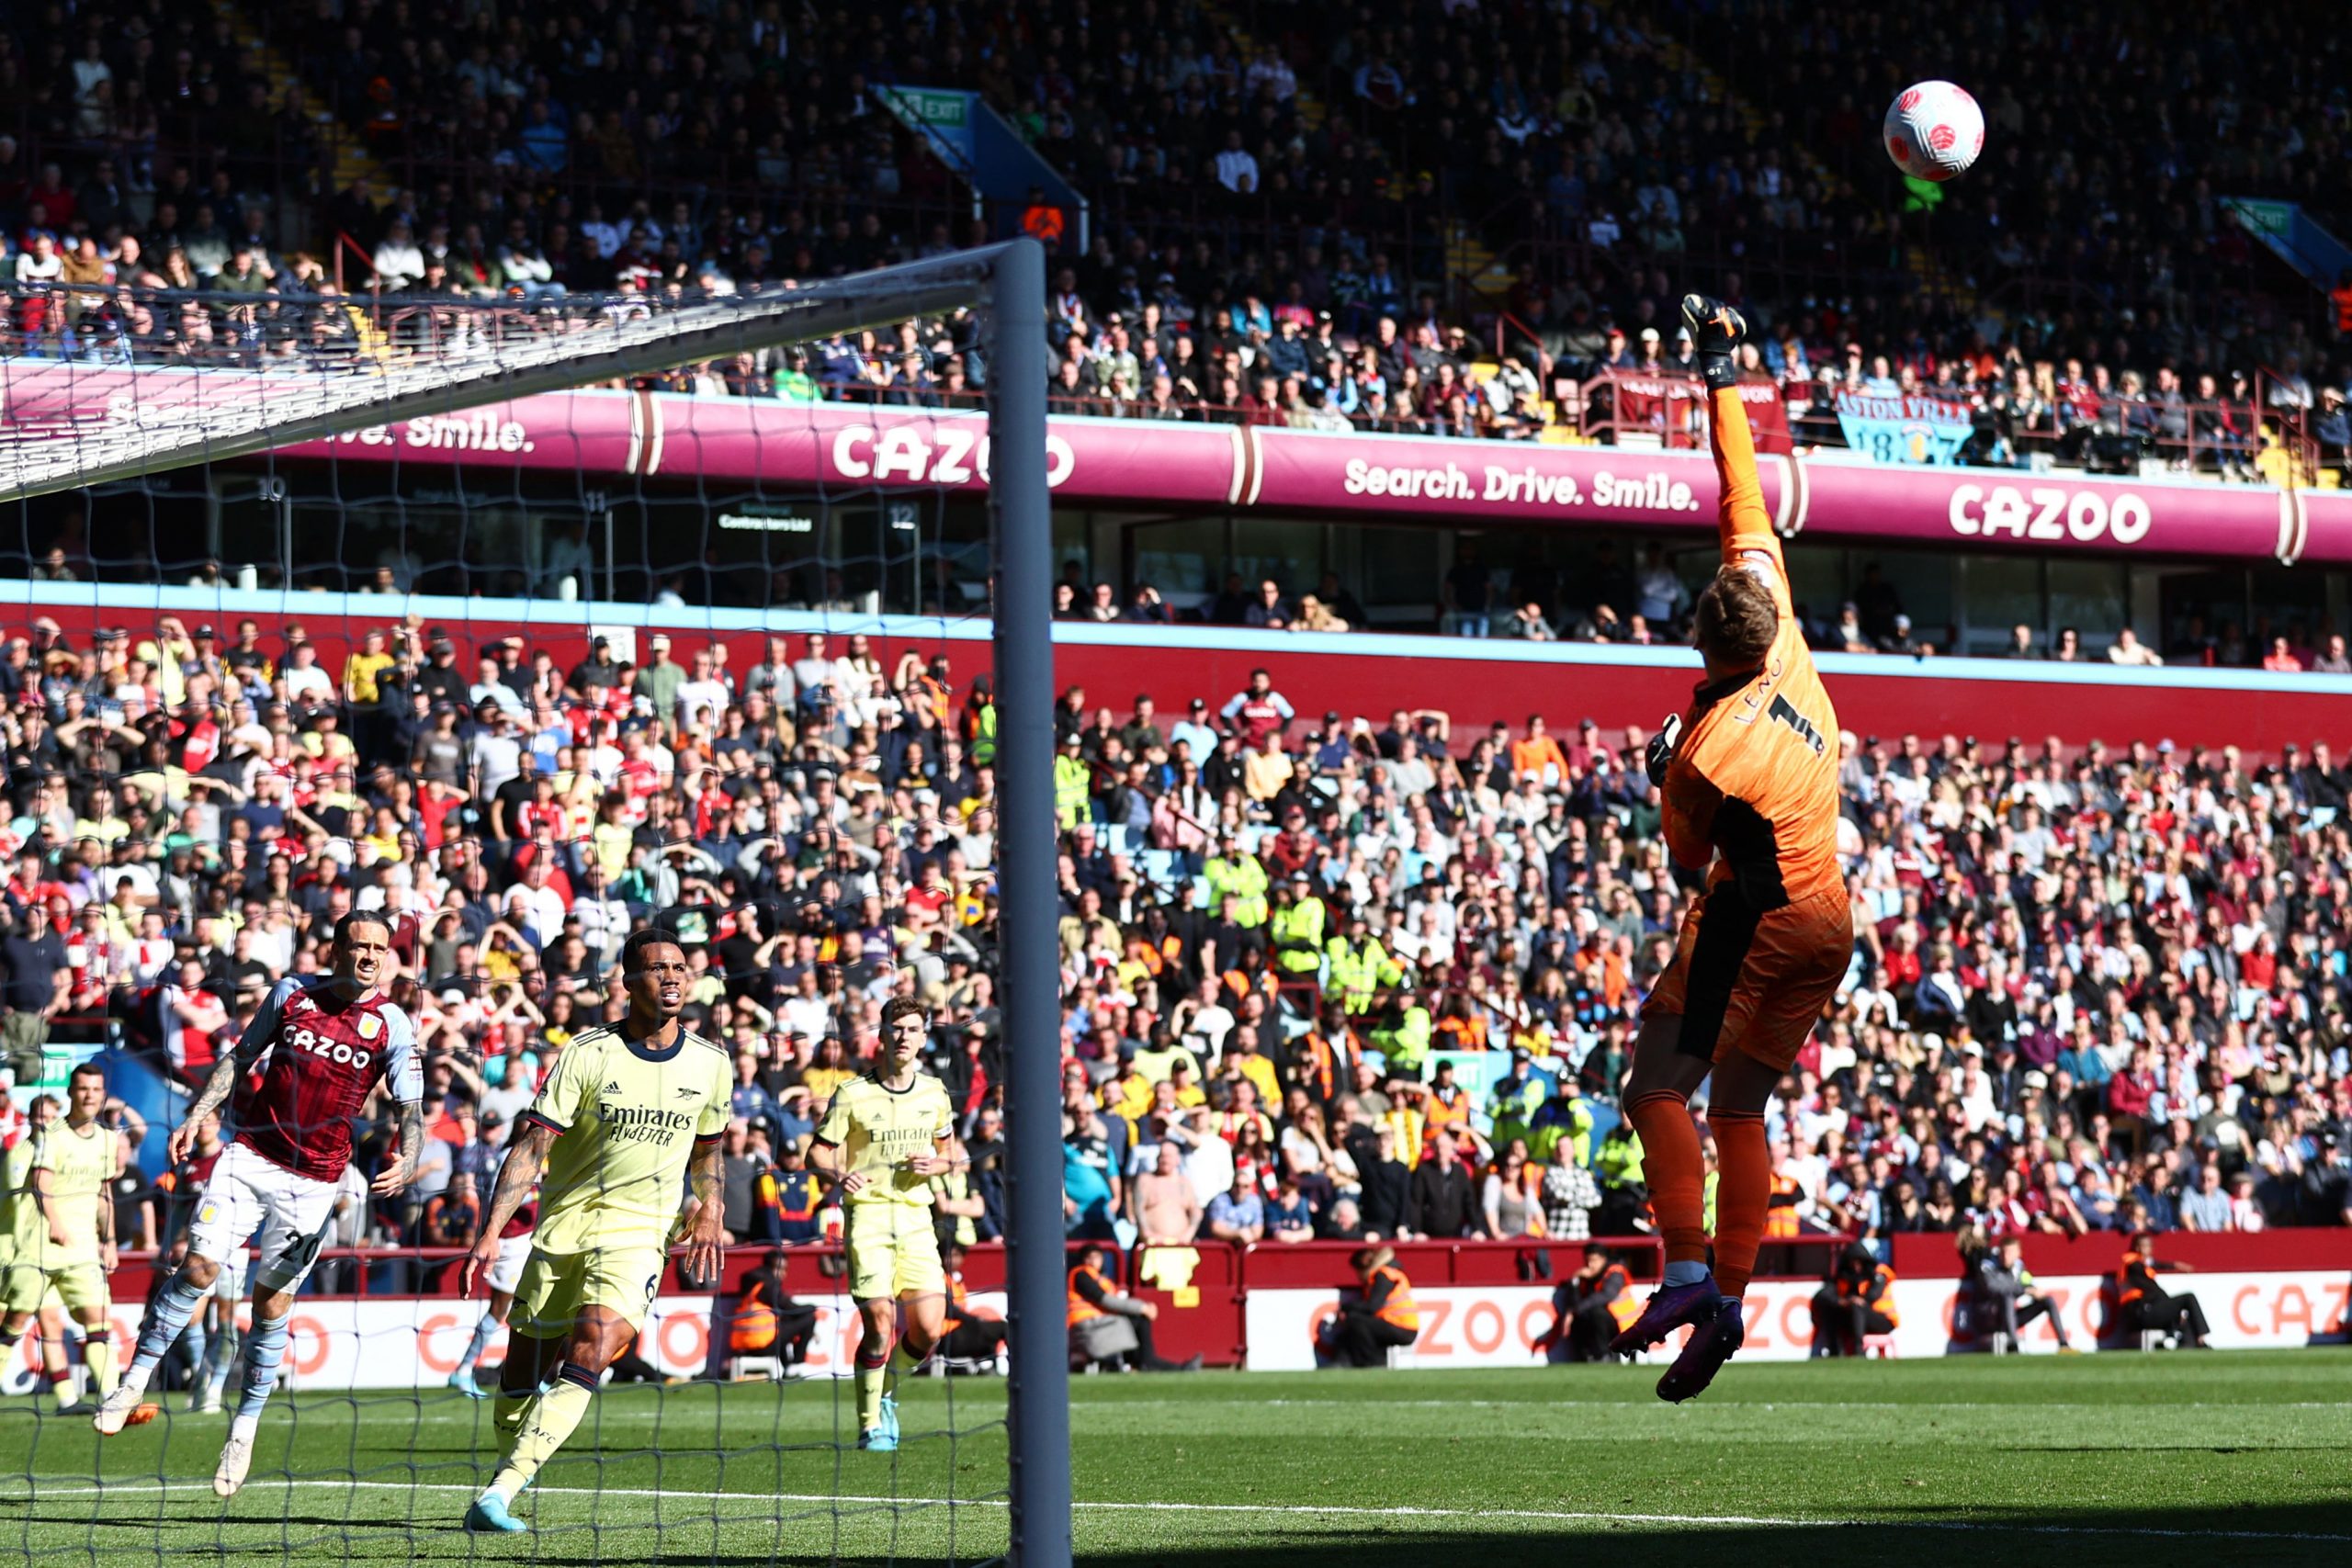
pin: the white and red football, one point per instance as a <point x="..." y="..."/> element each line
<point x="1934" y="130"/>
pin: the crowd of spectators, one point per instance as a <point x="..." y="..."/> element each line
<point x="1369" y="976"/>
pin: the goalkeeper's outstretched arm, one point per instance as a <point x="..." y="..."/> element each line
<point x="1743" y="526"/>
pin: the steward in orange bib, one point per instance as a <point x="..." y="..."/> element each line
<point x="1110" y="1327"/>
<point x="1383" y="1316"/>
<point x="974" y="1333"/>
<point x="766" y="1320"/>
<point x="1857" y="1300"/>
<point x="2143" y="1305"/>
<point x="1593" y="1305"/>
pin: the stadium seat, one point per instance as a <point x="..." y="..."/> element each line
<point x="1399" y="1356"/>
<point x="742" y="1369"/>
<point x="2155" y="1339"/>
<point x="1881" y="1346"/>
<point x="2000" y="1343"/>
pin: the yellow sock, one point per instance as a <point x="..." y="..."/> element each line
<point x="506" y="1412"/>
<point x="99" y="1353"/>
<point x="551" y="1416"/>
<point x="869" y="1395"/>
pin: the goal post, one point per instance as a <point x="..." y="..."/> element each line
<point x="1021" y="534"/>
<point x="71" y="422"/>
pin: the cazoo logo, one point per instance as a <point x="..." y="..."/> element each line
<point x="2049" y="513"/>
<point x="339" y="1052"/>
<point x="954" y="454"/>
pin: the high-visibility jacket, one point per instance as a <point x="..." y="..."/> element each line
<point x="1239" y="985"/>
<point x="1406" y="1044"/>
<point x="983" y="737"/>
<point x="752" y="1328"/>
<point x="1618" y="1162"/>
<point x="1298" y="937"/>
<point x="1557" y="1124"/>
<point x="2128" y="1277"/>
<point x="1080" y="1309"/>
<point x="1073" y="783"/>
<point x="1877" y="1291"/>
<point x="1449" y="1110"/>
<point x="1398" y="1309"/>
<point x="1245" y="879"/>
<point x="1327" y="1064"/>
<point x="1043" y="222"/>
<point x="1616" y="1291"/>
<point x="1780" y="1213"/>
<point x="1514" y="1109"/>
<point x="1464" y="1033"/>
<point x="955" y="1184"/>
<point x="1357" y="972"/>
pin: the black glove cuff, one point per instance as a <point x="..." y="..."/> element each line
<point x="1718" y="371"/>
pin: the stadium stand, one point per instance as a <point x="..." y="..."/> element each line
<point x="1246" y="172"/>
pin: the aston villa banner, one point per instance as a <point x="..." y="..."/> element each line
<point x="1903" y="429"/>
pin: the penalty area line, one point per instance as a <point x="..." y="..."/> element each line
<point x="1292" y="1510"/>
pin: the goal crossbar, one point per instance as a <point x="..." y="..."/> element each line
<point x="50" y="443"/>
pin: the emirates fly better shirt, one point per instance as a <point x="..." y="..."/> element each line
<point x="626" y="1120"/>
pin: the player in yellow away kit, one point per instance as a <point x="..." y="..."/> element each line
<point x="884" y="1139"/>
<point x="26" y="1297"/>
<point x="1749" y="775"/>
<point x="624" y="1115"/>
<point x="66" y="1237"/>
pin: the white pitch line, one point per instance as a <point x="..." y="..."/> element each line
<point x="1310" y="1510"/>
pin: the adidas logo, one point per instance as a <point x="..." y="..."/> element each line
<point x="613" y="1088"/>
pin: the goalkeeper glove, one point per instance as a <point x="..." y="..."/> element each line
<point x="1660" y="755"/>
<point x="1716" y="333"/>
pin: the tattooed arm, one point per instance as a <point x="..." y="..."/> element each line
<point x="518" y="1173"/>
<point x="233" y="1064"/>
<point x="403" y="1171"/>
<point x="706" y="1237"/>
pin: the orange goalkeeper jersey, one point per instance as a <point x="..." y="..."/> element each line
<point x="1754" y="782"/>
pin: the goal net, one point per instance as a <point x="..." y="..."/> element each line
<point x="527" y="625"/>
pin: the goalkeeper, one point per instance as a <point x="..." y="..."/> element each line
<point x="882" y="1140"/>
<point x="625" y="1112"/>
<point x="1749" y="775"/>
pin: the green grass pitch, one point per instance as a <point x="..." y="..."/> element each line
<point x="2235" y="1456"/>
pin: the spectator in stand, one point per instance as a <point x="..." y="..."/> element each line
<point x="2129" y="650"/>
<point x="1166" y="1209"/>
<point x="1444" y="1201"/>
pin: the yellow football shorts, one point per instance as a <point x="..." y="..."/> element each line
<point x="556" y="1287"/>
<point x="80" y="1287"/>
<point x="22" y="1286"/>
<point x="893" y="1251"/>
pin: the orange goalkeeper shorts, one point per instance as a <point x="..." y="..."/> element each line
<point x="1755" y="984"/>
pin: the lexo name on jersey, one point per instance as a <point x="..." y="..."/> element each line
<point x="951" y="455"/>
<point x="2048" y="511"/>
<point x="340" y="1051"/>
